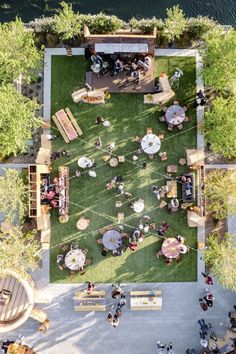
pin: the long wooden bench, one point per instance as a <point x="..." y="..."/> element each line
<point x="60" y="129"/>
<point x="145" y="300"/>
<point x="90" y="302"/>
<point x="73" y="121"/>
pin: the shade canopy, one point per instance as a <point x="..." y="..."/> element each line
<point x="111" y="48"/>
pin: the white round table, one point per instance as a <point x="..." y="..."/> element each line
<point x="150" y="144"/>
<point x="75" y="259"/>
<point x="139" y="206"/>
<point x="175" y="115"/>
<point x="112" y="240"/>
<point x="84" y="162"/>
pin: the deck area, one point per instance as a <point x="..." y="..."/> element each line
<point x="19" y="300"/>
<point x="121" y="82"/>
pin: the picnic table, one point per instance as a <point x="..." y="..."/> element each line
<point x="66" y="124"/>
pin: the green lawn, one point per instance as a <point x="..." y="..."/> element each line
<point x="129" y="117"/>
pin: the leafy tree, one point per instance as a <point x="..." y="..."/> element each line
<point x="219" y="127"/>
<point x="175" y="23"/>
<point x="220" y="257"/>
<point x="18" y="53"/>
<point x="17" y="120"/>
<point x="14" y="202"/>
<point x="221" y="193"/>
<point x="66" y="22"/>
<point x="18" y="250"/>
<point x="219" y="70"/>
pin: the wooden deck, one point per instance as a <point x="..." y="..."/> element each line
<point x="19" y="300"/>
<point x="119" y="83"/>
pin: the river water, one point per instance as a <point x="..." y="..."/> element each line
<point x="224" y="11"/>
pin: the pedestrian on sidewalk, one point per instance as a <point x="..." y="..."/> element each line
<point x="115" y="321"/>
<point x="203" y="305"/>
<point x="90" y="288"/>
<point x="122" y="301"/>
<point x="208" y="280"/>
<point x="209" y="298"/>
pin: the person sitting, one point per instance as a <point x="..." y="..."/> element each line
<point x="165" y="226"/>
<point x="120" y="189"/>
<point x="118" y="66"/>
<point x="98" y="144"/>
<point x="96" y="59"/>
<point x="181" y="239"/>
<point x="99" y="120"/>
<point x="104" y="252"/>
<point x="146" y="228"/>
<point x="118" y="252"/>
<point x="133" y="246"/>
<point x="128" y="195"/>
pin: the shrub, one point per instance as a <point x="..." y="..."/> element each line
<point x="198" y="26"/>
<point x="42" y="24"/>
<point x="146" y="25"/>
<point x="101" y="23"/>
<point x="66" y="22"/>
<point x="175" y="23"/>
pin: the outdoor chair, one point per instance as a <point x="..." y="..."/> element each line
<point x="85" y="250"/>
<point x="164" y="108"/>
<point x="162" y="204"/>
<point x="162" y="119"/>
<point x="168" y="261"/>
<point x="99" y="241"/>
<point x="182" y="161"/>
<point x="176" y="102"/>
<point x="178" y="259"/>
<point x="159" y="254"/>
<point x="161" y="135"/>
<point x="88" y="261"/>
<point x="170" y="127"/>
<point x="171" y="169"/>
<point x="138" y="139"/>
<point x="151" y="156"/>
<point x="106" y="158"/>
<point x="74" y="246"/>
<point x="149" y="130"/>
<point x="121" y="158"/>
<point x="186" y="119"/>
<point x="163" y="156"/>
<point x="180" y="126"/>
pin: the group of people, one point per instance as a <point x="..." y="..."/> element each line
<point x="161" y="347"/>
<point x="114" y="64"/>
<point x="207" y="299"/>
<point x="55" y="155"/>
<point x="50" y="192"/>
<point x="114" y="314"/>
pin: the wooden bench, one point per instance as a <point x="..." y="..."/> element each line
<point x="73" y="121"/>
<point x="145" y="300"/>
<point x="90" y="302"/>
<point x="60" y="129"/>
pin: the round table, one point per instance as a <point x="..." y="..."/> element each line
<point x="171" y="248"/>
<point x="84" y="162"/>
<point x="112" y="240"/>
<point x="175" y="115"/>
<point x="139" y="206"/>
<point x="150" y="144"/>
<point x="82" y="223"/>
<point x="75" y="259"/>
<point x="113" y="162"/>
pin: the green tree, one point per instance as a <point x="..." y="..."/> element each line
<point x="219" y="70"/>
<point x="17" y="120"/>
<point x="18" y="250"/>
<point x="220" y="257"/>
<point x="14" y="203"/>
<point x="219" y="127"/>
<point x="66" y="22"/>
<point x="221" y="193"/>
<point x="18" y="53"/>
<point x="175" y="23"/>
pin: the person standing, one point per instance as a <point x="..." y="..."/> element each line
<point x="209" y="298"/>
<point x="115" y="321"/>
<point x="90" y="288"/>
<point x="208" y="280"/>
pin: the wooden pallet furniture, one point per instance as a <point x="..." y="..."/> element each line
<point x="63" y="178"/>
<point x="145" y="300"/>
<point x="90" y="302"/>
<point x="65" y="126"/>
<point x="74" y="122"/>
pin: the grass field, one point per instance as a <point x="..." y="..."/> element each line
<point x="129" y="117"/>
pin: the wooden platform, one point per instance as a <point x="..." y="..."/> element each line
<point x="118" y="82"/>
<point x="90" y="302"/>
<point x="145" y="300"/>
<point x="18" y="303"/>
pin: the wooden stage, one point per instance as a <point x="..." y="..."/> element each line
<point x="121" y="82"/>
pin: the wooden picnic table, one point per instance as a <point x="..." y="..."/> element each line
<point x="172" y="189"/>
<point x="66" y="124"/>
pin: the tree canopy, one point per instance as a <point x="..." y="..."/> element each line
<point x="18" y="250"/>
<point x="221" y="193"/>
<point x="14" y="203"/>
<point x="66" y="22"/>
<point x="219" y="70"/>
<point x="18" y="53"/>
<point x="220" y="128"/>
<point x="17" y="120"/>
<point x="220" y="257"/>
<point x="175" y="23"/>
